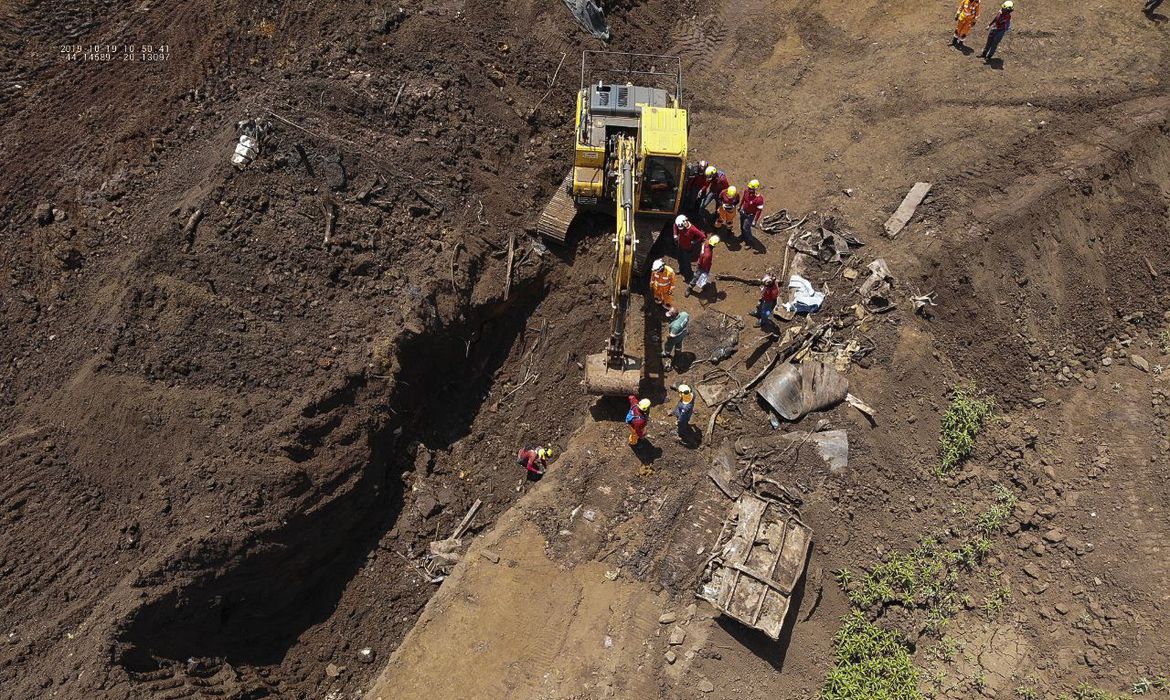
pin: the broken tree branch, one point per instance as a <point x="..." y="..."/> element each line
<point x="511" y="255"/>
<point x="551" y="84"/>
<point x="454" y="252"/>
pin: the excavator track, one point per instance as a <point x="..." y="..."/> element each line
<point x="558" y="214"/>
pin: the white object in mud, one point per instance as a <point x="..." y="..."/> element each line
<point x="246" y="151"/>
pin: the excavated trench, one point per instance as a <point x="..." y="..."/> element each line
<point x="248" y="609"/>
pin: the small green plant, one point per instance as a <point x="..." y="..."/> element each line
<point x="998" y="599"/>
<point x="946" y="649"/>
<point x="995" y="517"/>
<point x="1084" y="691"/>
<point x="1142" y="685"/>
<point x="871" y="662"/>
<point x="961" y="423"/>
<point x="844" y="576"/>
<point x="979" y="681"/>
<point x="1027" y="692"/>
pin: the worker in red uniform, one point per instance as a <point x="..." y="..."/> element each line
<point x="1000" y="24"/>
<point x="713" y="186"/>
<point x="725" y="210"/>
<point x="696" y="177"/>
<point x="769" y="294"/>
<point x="534" y="459"/>
<point x="687" y="238"/>
<point x="706" y="258"/>
<point x="751" y="211"/>
<point x="637" y="418"/>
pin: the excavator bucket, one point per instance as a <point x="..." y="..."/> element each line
<point x="558" y="214"/>
<point x="603" y="380"/>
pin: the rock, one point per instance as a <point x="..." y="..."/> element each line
<point x="667" y="618"/>
<point x="367" y="655"/>
<point x="1027" y="510"/>
<point x="427" y="505"/>
<point x="691" y="610"/>
<point x="333" y="670"/>
<point x="1092" y="658"/>
<point x="677" y="636"/>
<point x="1047" y="511"/>
<point x="1039" y="587"/>
<point x="1139" y="362"/>
<point x="1033" y="570"/>
<point x="490" y="556"/>
<point x="59" y="215"/>
<point x="44" y="214"/>
<point x="706" y="686"/>
<point x="670" y="657"/>
<point x="1062" y="608"/>
<point x="1039" y="402"/>
<point x="1055" y="535"/>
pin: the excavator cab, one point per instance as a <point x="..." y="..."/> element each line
<point x="629" y="159"/>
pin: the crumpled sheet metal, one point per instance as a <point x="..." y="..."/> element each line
<point x="797" y="390"/>
<point x="832" y="446"/>
<point x="590" y="16"/>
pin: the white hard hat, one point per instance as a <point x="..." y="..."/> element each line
<point x="680" y="220"/>
<point x="684" y="389"/>
<point x="658" y="265"/>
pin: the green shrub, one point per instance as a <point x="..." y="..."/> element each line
<point x="871" y="663"/>
<point x="962" y="422"/>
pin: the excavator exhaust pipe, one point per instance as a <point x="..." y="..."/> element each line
<point x="603" y="380"/>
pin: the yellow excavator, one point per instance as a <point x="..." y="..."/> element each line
<point x="630" y="158"/>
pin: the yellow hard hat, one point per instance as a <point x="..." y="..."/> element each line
<point x="713" y="240"/>
<point x="684" y="390"/>
<point x="544" y="453"/>
<point x="731" y="191"/>
<point x="710" y="171"/>
<point x="644" y="404"/>
<point x="754" y="185"/>
<point x="1008" y="5"/>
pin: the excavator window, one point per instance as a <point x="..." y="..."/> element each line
<point x="660" y="182"/>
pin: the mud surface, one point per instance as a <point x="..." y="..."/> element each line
<point x="236" y="406"/>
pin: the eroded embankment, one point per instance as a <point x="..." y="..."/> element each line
<point x="1059" y="263"/>
<point x="241" y="607"/>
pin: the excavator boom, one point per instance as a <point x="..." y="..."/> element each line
<point x="614" y="372"/>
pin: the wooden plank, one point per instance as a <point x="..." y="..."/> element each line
<point x="906" y="209"/>
<point x="466" y="522"/>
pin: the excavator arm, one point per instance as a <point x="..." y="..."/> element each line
<point x="615" y="372"/>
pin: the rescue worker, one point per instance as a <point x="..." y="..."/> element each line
<point x="704" y="264"/>
<point x="696" y="176"/>
<point x="965" y="18"/>
<point x="769" y="294"/>
<point x="713" y="185"/>
<point x="637" y="418"/>
<point x="676" y="333"/>
<point x="725" y="212"/>
<point x="751" y="211"/>
<point x="684" y="410"/>
<point x="662" y="283"/>
<point x="687" y="238"/>
<point x="1000" y="24"/>
<point x="534" y="459"/>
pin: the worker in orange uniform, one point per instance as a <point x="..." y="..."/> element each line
<point x="965" y="18"/>
<point x="662" y="283"/>
<point x="706" y="259"/>
<point x="725" y="211"/>
<point x="714" y="183"/>
<point x="637" y="418"/>
<point x="751" y="211"/>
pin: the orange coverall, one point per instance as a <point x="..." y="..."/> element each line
<point x="965" y="18"/>
<point x="662" y="284"/>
